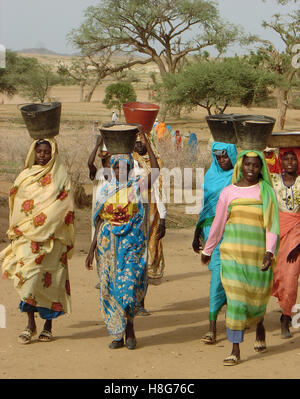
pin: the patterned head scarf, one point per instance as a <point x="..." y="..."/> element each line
<point x="289" y="150"/>
<point x="269" y="201"/>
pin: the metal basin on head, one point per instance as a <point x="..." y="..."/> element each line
<point x="42" y="120"/>
<point x="119" y="138"/>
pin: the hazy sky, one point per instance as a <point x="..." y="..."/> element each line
<point x="41" y="23"/>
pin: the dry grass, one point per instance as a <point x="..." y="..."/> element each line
<point x="76" y="138"/>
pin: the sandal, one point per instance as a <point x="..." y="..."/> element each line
<point x="116" y="344"/>
<point x="25" y="336"/>
<point x="260" y="346"/>
<point x="45" y="336"/>
<point x="142" y="312"/>
<point x="231" y="360"/>
<point x="208" y="338"/>
<point x="131" y="343"/>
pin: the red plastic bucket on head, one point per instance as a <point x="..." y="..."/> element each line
<point x="142" y="113"/>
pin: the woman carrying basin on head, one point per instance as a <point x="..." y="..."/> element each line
<point x="120" y="245"/>
<point x="247" y="216"/>
<point x="42" y="235"/>
<point x="218" y="176"/>
<point x="286" y="274"/>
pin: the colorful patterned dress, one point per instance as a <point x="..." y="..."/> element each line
<point x="121" y="251"/>
<point x="286" y="275"/>
<point x="248" y="218"/>
<point x="41" y="232"/>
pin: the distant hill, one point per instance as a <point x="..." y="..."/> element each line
<point x="43" y="51"/>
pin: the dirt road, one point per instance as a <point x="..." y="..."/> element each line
<point x="168" y="340"/>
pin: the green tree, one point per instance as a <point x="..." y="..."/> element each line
<point x="216" y="84"/>
<point x="118" y="94"/>
<point x="163" y="31"/>
<point x="280" y="62"/>
<point x="38" y="81"/>
<point x="17" y="67"/>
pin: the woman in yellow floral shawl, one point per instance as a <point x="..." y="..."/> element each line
<point x="41" y="233"/>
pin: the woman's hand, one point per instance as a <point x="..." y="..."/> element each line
<point x="93" y="171"/>
<point x="196" y="241"/>
<point x="205" y="259"/>
<point x="293" y="255"/>
<point x="89" y="260"/>
<point x="161" y="231"/>
<point x="267" y="261"/>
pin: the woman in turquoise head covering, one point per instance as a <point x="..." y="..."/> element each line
<point x="120" y="246"/>
<point x="218" y="176"/>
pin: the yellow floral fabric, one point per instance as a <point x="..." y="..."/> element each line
<point x="41" y="231"/>
<point x="288" y="197"/>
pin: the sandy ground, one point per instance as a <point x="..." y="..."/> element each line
<point x="168" y="340"/>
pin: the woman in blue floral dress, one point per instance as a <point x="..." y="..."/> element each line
<point x="120" y="246"/>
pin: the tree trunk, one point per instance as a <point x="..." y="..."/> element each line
<point x="81" y="94"/>
<point x="282" y="104"/>
<point x="90" y="93"/>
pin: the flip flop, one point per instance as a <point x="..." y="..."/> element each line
<point x="231" y="360"/>
<point x="45" y="336"/>
<point x="116" y="344"/>
<point x="208" y="338"/>
<point x="260" y="346"/>
<point x="131" y="343"/>
<point x="25" y="336"/>
<point x="142" y="312"/>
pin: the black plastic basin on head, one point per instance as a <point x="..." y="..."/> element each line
<point x="253" y="131"/>
<point x="42" y="120"/>
<point x="221" y="127"/>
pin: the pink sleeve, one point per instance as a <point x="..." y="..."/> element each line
<point x="218" y="226"/>
<point x="271" y="241"/>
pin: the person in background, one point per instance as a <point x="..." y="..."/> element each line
<point x="114" y="117"/>
<point x="271" y="156"/>
<point x="218" y="176"/>
<point x="41" y="233"/>
<point x="178" y="141"/>
<point x="247" y="218"/>
<point x="157" y="217"/>
<point x="192" y="145"/>
<point x="286" y="274"/>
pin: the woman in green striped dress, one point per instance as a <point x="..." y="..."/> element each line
<point x="247" y="215"/>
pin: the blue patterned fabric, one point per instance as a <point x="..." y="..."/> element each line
<point x="44" y="313"/>
<point x="121" y="261"/>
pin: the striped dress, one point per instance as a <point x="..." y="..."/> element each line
<point x="239" y="216"/>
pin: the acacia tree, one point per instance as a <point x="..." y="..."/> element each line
<point x="38" y="81"/>
<point x="280" y="62"/>
<point x="216" y="84"/>
<point x="118" y="94"/>
<point x="165" y="31"/>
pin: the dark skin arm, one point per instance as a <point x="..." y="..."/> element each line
<point x="161" y="231"/>
<point x="293" y="255"/>
<point x="91" y="254"/>
<point x="196" y="241"/>
<point x="267" y="261"/>
<point x="91" y="160"/>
